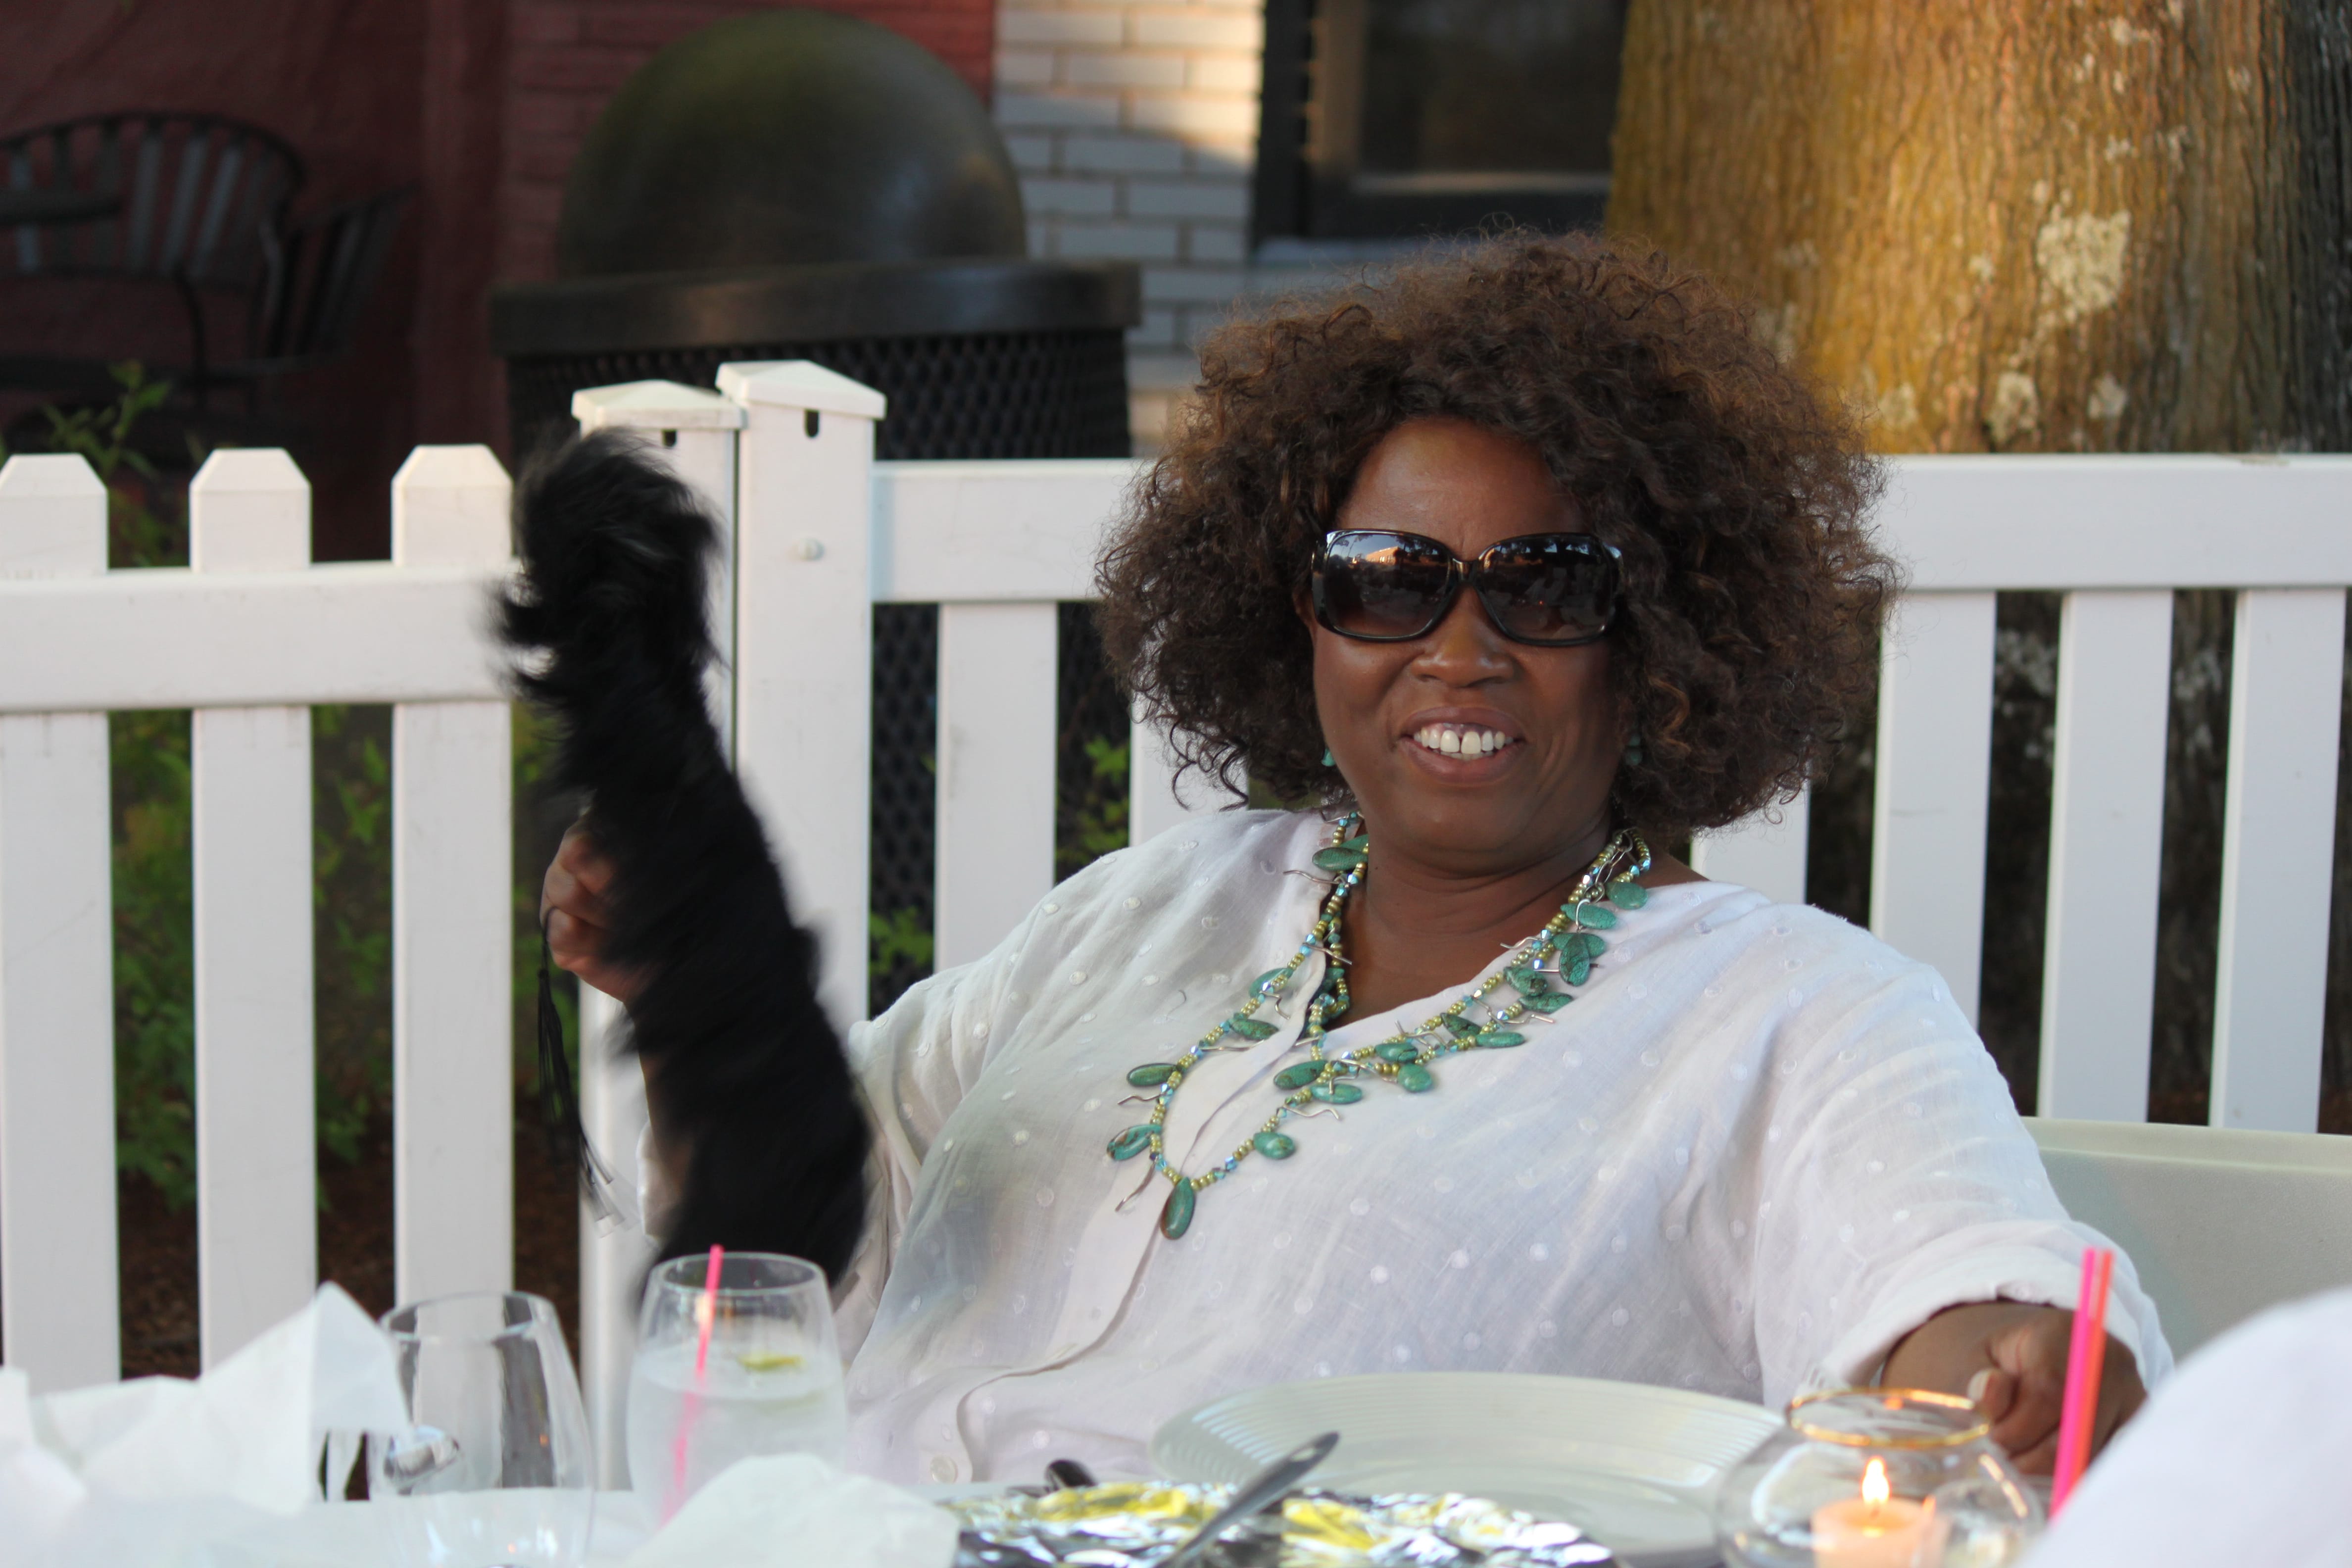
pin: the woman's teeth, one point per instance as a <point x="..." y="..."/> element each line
<point x="1454" y="741"/>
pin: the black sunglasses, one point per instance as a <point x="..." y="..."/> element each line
<point x="1549" y="590"/>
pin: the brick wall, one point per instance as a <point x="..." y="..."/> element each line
<point x="567" y="56"/>
<point x="1134" y="123"/>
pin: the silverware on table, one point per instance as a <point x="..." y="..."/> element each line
<point x="1063" y="1475"/>
<point x="1254" y="1494"/>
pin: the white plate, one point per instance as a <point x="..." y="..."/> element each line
<point x="1631" y="1465"/>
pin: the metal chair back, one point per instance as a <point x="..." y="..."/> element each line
<point x="199" y="193"/>
<point x="319" y="273"/>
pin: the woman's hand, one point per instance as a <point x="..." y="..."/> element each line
<point x="573" y="908"/>
<point x="2011" y="1358"/>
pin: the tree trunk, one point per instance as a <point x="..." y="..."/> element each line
<point x="2023" y="226"/>
<point x="2015" y="224"/>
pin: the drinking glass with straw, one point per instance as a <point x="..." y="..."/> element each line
<point x="2086" y="1357"/>
<point x="736" y="1357"/>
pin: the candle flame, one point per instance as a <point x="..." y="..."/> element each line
<point x="1875" y="1490"/>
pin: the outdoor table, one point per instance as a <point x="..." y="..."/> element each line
<point x="58" y="207"/>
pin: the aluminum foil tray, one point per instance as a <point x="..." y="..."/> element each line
<point x="1138" y="1525"/>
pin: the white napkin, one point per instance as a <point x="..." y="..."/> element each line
<point x="2243" y="1457"/>
<point x="158" y="1469"/>
<point x="796" y="1510"/>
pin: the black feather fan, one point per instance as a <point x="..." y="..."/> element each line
<point x="744" y="1067"/>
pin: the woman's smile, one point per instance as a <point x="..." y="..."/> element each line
<point x="1457" y="743"/>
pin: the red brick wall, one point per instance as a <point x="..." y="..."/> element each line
<point x="477" y="103"/>
<point x="567" y="56"/>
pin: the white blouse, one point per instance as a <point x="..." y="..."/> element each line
<point x="1759" y="1148"/>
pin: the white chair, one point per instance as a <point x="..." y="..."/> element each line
<point x="2219" y="1222"/>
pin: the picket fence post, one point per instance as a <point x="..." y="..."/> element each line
<point x="1764" y="850"/>
<point x="1934" y="786"/>
<point x="693" y="431"/>
<point x="805" y="647"/>
<point x="58" y="1305"/>
<point x="2270" y="1001"/>
<point x="2106" y="831"/>
<point x="452" y="947"/>
<point x="249" y="836"/>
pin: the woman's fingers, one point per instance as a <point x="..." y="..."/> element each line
<point x="2034" y="1356"/>
<point x="2121" y="1394"/>
<point x="1994" y="1392"/>
<point x="2032" y="1353"/>
<point x="578" y="854"/>
<point x="573" y="909"/>
<point x="578" y="877"/>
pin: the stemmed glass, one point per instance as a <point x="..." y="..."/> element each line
<point x="496" y="1470"/>
<point x="771" y="1382"/>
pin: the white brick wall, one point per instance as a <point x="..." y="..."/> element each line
<point x="1134" y="123"/>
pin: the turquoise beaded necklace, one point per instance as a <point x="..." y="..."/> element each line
<point x="1561" y="955"/>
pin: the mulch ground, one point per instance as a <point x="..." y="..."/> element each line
<point x="159" y="1247"/>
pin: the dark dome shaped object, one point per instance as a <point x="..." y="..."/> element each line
<point x="785" y="137"/>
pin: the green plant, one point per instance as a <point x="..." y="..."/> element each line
<point x="902" y="936"/>
<point x="154" y="1019"/>
<point x="537" y="832"/>
<point x="350" y="828"/>
<point x="1099" y="824"/>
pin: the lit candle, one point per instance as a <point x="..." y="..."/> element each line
<point x="1876" y="1530"/>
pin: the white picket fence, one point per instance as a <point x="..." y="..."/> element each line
<point x="818" y="534"/>
<point x="249" y="634"/>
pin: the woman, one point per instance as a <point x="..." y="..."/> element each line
<point x="1523" y="563"/>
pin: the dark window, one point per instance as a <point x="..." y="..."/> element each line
<point x="1400" y="119"/>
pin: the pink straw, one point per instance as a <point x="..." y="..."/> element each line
<point x="2087" y="1359"/>
<point x="709" y="1313"/>
<point x="692" y="1407"/>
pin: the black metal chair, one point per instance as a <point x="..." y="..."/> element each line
<point x="316" y="275"/>
<point x="196" y="202"/>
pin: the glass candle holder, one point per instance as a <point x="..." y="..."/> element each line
<point x="1876" y="1478"/>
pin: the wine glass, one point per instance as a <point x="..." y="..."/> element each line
<point x="494" y="1470"/>
<point x="770" y="1385"/>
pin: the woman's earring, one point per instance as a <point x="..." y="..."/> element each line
<point x="1327" y="761"/>
<point x="1633" y="750"/>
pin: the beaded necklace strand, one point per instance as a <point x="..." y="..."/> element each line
<point x="1560" y="953"/>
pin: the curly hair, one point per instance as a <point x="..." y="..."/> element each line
<point x="1752" y="591"/>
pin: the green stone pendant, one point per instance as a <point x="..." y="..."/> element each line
<point x="1177" y="1217"/>
<point x="1299" y="1075"/>
<point x="1273" y="1145"/>
<point x="1339" y="857"/>
<point x="1628" y="895"/>
<point x="1150" y="1073"/>
<point x="1460" y="1028"/>
<point x="1595" y="917"/>
<point x="1414" y="1078"/>
<point x="1583" y="945"/>
<point x="1579" y="971"/>
<point x="1249" y="1028"/>
<point x="1549" y="1001"/>
<point x="1397" y="1051"/>
<point x="1131" y="1143"/>
<point x="1257" y="986"/>
<point x="1336" y="1093"/>
<point x="1499" y="1039"/>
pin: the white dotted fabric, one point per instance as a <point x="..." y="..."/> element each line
<point x="1758" y="1149"/>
